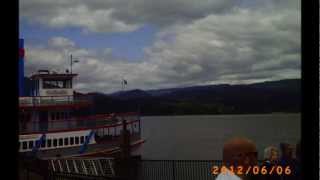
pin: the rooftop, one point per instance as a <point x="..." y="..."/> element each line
<point x="52" y="74"/>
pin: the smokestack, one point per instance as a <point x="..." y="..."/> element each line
<point x="21" y="67"/>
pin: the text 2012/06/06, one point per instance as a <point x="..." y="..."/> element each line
<point x="255" y="170"/>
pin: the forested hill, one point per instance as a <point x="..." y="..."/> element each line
<point x="266" y="97"/>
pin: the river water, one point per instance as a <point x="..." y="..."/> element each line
<point x="201" y="137"/>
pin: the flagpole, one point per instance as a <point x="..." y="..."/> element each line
<point x="122" y="85"/>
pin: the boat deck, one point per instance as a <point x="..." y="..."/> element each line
<point x="107" y="147"/>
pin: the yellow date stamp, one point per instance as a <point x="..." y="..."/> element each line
<point x="252" y="170"/>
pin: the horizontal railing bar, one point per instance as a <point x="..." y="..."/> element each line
<point x="181" y="160"/>
<point x="22" y="132"/>
<point x="46" y="100"/>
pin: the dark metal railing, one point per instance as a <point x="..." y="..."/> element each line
<point x="138" y="169"/>
<point x="70" y="176"/>
<point x="157" y="170"/>
<point x="177" y="169"/>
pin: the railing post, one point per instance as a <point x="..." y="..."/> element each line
<point x="125" y="141"/>
<point x="27" y="173"/>
<point x="173" y="170"/>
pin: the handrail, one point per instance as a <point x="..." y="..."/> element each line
<point x="37" y="129"/>
<point x="108" y="116"/>
<point x="50" y="96"/>
<point x="47" y="100"/>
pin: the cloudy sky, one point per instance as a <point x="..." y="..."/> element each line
<point x="162" y="44"/>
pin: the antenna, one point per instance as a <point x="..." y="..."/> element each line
<point x="72" y="61"/>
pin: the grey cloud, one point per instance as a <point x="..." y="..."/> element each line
<point x="128" y="15"/>
<point x="120" y="15"/>
<point x="240" y="45"/>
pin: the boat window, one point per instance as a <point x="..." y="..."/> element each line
<point x="49" y="143"/>
<point x="54" y="84"/>
<point x="71" y="140"/>
<point x="47" y="84"/>
<point x="60" y="142"/>
<point x="60" y="115"/>
<point x="68" y="83"/>
<point x="81" y="140"/>
<point x="24" y="145"/>
<point x="66" y="141"/>
<point x="68" y="115"/>
<point x="86" y="138"/>
<point x="55" y="142"/>
<point x="60" y="84"/>
<point x="30" y="144"/>
<point x="43" y="144"/>
<point x="77" y="140"/>
<point x="52" y="116"/>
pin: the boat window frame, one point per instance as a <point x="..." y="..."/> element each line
<point x="71" y="140"/>
<point x="53" y="117"/>
<point x="30" y="144"/>
<point x="49" y="143"/>
<point x="60" y="143"/>
<point x="55" y="142"/>
<point x="57" y="115"/>
<point x="66" y="141"/>
<point x="43" y="144"/>
<point x="24" y="145"/>
<point x="77" y="140"/>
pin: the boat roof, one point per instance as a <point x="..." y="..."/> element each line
<point x="52" y="75"/>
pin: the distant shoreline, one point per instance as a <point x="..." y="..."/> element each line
<point x="244" y="114"/>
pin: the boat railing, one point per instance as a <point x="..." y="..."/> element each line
<point x="141" y="169"/>
<point x="52" y="100"/>
<point x="74" y="124"/>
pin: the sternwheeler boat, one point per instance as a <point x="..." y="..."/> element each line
<point x="54" y="121"/>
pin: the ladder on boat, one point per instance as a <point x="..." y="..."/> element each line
<point x="86" y="142"/>
<point x="39" y="143"/>
<point x="93" y="166"/>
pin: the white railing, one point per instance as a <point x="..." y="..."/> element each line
<point x="50" y="100"/>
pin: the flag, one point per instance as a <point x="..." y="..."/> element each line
<point x="21" y="53"/>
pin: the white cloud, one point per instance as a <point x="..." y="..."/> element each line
<point x="73" y="14"/>
<point x="235" y="45"/>
<point x="61" y="42"/>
